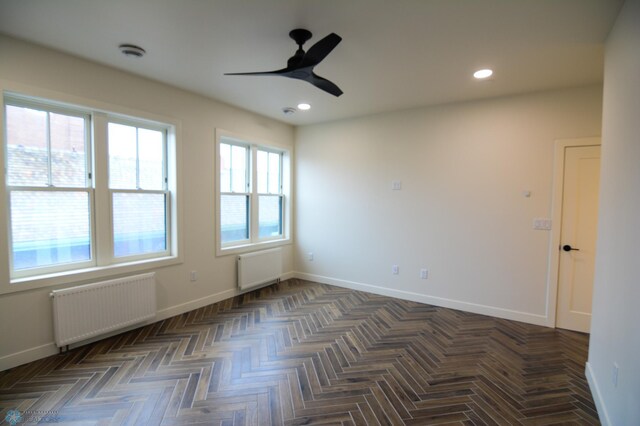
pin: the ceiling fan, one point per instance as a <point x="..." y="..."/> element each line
<point x="300" y="65"/>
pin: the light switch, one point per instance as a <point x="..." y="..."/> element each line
<point x="396" y="185"/>
<point x="542" y="224"/>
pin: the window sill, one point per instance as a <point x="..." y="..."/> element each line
<point x="81" y="276"/>
<point x="249" y="247"/>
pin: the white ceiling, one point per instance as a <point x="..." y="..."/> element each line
<point x="395" y="54"/>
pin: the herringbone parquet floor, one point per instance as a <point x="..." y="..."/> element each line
<point x="307" y="353"/>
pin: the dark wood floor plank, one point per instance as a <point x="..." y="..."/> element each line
<point x="305" y="353"/>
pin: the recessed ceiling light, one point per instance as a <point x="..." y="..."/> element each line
<point x="132" y="50"/>
<point x="304" y="107"/>
<point x="485" y="73"/>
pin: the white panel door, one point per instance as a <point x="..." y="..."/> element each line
<point x="578" y="237"/>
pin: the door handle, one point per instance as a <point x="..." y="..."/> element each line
<point x="567" y="247"/>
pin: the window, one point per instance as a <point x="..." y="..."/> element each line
<point x="252" y="200"/>
<point x="235" y="193"/>
<point x="138" y="189"/>
<point x="55" y="178"/>
<point x="48" y="181"/>
<point x="270" y="197"/>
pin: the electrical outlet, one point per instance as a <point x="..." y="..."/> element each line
<point x="424" y="274"/>
<point x="310" y="256"/>
<point x="396" y="185"/>
<point x="194" y="276"/>
<point x="614" y="375"/>
<point x="395" y="270"/>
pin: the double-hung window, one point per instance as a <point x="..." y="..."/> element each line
<point x="252" y="202"/>
<point x="48" y="176"/>
<point x="235" y="193"/>
<point x="269" y="193"/>
<point x="138" y="190"/>
<point x="86" y="189"/>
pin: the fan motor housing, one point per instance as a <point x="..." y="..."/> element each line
<point x="300" y="35"/>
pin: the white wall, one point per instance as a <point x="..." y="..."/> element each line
<point x="615" y="327"/>
<point x="461" y="212"/>
<point x="25" y="318"/>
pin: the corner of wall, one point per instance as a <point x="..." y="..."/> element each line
<point x="597" y="396"/>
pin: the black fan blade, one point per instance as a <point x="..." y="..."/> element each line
<point x="320" y="50"/>
<point x="324" y="84"/>
<point x="276" y="72"/>
<point x="303" y="69"/>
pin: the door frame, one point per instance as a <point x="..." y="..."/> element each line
<point x="556" y="216"/>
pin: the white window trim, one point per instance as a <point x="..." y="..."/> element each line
<point x="79" y="276"/>
<point x="254" y="243"/>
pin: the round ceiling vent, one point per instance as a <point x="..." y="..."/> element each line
<point x="132" y="50"/>
<point x="288" y="110"/>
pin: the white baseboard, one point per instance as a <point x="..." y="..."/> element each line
<point x="28" y="355"/>
<point x="48" y="349"/>
<point x="42" y="351"/>
<point x="172" y="311"/>
<point x="431" y="300"/>
<point x="287" y="276"/>
<point x="597" y="396"/>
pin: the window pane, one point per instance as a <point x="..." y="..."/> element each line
<point x="68" y="158"/>
<point x="268" y="169"/>
<point x="49" y="228"/>
<point x="225" y="167"/>
<point x="234" y="218"/>
<point x="150" y="154"/>
<point x="27" y="152"/>
<point x="122" y="156"/>
<point x="263" y="171"/>
<point x="274" y="173"/>
<point x="239" y="169"/>
<point x="270" y="215"/>
<point x="139" y="224"/>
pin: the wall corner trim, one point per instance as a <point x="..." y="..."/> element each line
<point x="287" y="276"/>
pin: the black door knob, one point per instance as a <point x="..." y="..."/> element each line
<point x="567" y="247"/>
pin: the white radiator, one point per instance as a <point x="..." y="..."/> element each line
<point x="90" y="310"/>
<point x="255" y="269"/>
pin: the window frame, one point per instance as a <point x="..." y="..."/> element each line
<point x="49" y="187"/>
<point x="254" y="242"/>
<point x="247" y="193"/>
<point x="280" y="194"/>
<point x="167" y="194"/>
<point x="103" y="264"/>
